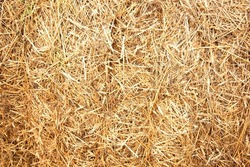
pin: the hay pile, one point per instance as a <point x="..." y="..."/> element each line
<point x="124" y="83"/>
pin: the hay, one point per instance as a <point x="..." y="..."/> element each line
<point x="124" y="83"/>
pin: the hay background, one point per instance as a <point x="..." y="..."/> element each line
<point x="124" y="83"/>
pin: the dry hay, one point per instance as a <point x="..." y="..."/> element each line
<point x="124" y="83"/>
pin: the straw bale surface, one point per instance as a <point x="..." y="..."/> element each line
<point x="124" y="83"/>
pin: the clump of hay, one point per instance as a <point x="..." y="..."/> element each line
<point x="124" y="83"/>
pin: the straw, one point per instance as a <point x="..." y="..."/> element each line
<point x="124" y="83"/>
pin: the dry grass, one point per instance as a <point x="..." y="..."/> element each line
<point x="124" y="83"/>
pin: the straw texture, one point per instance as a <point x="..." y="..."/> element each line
<point x="124" y="83"/>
